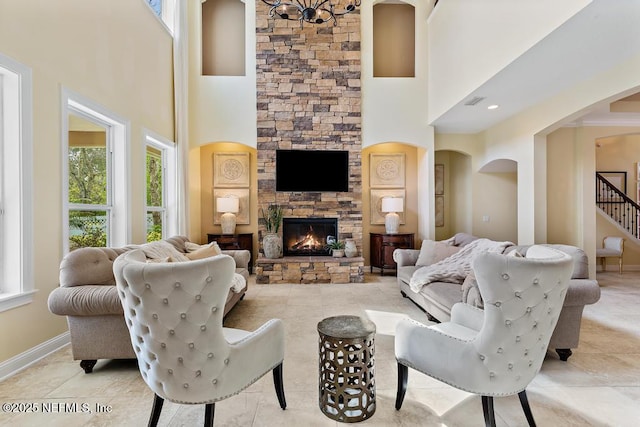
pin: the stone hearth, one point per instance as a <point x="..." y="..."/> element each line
<point x="317" y="269"/>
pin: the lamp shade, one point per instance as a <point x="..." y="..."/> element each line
<point x="228" y="204"/>
<point x="392" y="204"/>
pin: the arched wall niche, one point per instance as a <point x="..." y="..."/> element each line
<point x="223" y="38"/>
<point x="372" y="190"/>
<point x="394" y="39"/>
<point x="211" y="155"/>
<point x="452" y="199"/>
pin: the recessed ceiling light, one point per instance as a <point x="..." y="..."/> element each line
<point x="492" y="107"/>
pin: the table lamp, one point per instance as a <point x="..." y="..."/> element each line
<point x="392" y="205"/>
<point x="229" y="206"/>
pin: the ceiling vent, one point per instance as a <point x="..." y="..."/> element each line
<point x="475" y="100"/>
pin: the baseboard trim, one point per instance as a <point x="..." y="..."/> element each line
<point x="22" y="361"/>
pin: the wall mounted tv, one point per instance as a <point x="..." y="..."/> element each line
<point x="307" y="170"/>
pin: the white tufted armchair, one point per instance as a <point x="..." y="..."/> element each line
<point x="174" y="314"/>
<point x="498" y="351"/>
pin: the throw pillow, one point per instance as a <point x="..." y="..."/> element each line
<point x="432" y="252"/>
<point x="471" y="292"/>
<point x="204" y="251"/>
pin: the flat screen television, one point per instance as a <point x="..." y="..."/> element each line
<point x="307" y="170"/>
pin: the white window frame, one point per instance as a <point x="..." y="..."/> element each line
<point x="16" y="184"/>
<point x="118" y="177"/>
<point x="167" y="12"/>
<point x="169" y="184"/>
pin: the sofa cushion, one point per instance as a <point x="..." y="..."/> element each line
<point x="405" y="273"/>
<point x="444" y="293"/>
<point x="432" y="252"/>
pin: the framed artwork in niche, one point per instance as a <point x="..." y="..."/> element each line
<point x="439" y="211"/>
<point x="386" y="170"/>
<point x="242" y="217"/>
<point x="375" y="202"/>
<point x="439" y="179"/>
<point x="231" y="170"/>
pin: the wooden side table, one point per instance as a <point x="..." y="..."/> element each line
<point x="347" y="381"/>
<point x="382" y="246"/>
<point x="234" y="242"/>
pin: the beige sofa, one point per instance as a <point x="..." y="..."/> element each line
<point x="87" y="296"/>
<point x="437" y="298"/>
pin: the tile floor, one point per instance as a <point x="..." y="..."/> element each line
<point x="598" y="386"/>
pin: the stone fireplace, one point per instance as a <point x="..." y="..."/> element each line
<point x="309" y="98"/>
<point x="308" y="236"/>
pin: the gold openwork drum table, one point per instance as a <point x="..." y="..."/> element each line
<point x="347" y="384"/>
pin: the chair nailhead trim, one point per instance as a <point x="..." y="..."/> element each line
<point x="215" y="381"/>
<point x="183" y="315"/>
<point x="226" y="361"/>
<point x="177" y="284"/>
<point x="198" y="373"/>
<point x="498" y="304"/>
<point x="163" y="345"/>
<point x="210" y="355"/>
<point x="155" y="316"/>
<point x="192" y="345"/>
<point x="505" y="276"/>
<point x="203" y="328"/>
<point x="198" y="297"/>
<point x="214" y="309"/>
<point x="185" y="385"/>
<point x="172" y="332"/>
<point x="209" y="279"/>
<point x="500" y="350"/>
<point x="536" y="281"/>
<point x="148" y="286"/>
<point x="180" y="359"/>
<point x="165" y="301"/>
<point x="170" y="371"/>
<point x="481" y="357"/>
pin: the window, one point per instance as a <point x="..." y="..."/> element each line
<point x="16" y="210"/>
<point x="96" y="177"/>
<point x="160" y="167"/>
<point x="163" y="9"/>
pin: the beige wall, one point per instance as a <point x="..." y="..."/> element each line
<point x="394" y="40"/>
<point x="90" y="49"/>
<point x="411" y="187"/>
<point x="495" y="212"/>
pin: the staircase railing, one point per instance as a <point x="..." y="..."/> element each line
<point x="618" y="206"/>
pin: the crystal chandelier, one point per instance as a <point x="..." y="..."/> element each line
<point x="311" y="11"/>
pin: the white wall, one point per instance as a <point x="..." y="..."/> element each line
<point x="470" y="41"/>
<point x="222" y="108"/>
<point x="395" y="109"/>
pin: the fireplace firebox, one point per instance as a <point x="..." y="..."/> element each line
<point x="308" y="236"/>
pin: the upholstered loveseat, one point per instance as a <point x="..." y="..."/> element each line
<point x="437" y="298"/>
<point x="87" y="296"/>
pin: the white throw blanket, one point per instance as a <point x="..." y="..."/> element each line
<point x="238" y="283"/>
<point x="456" y="267"/>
